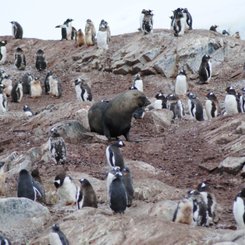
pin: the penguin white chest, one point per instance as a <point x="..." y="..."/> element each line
<point x="53" y="83"/>
<point x="139" y="85"/>
<point x="181" y="85"/>
<point x="78" y="91"/>
<point x="102" y="39"/>
<point x="54" y="239"/>
<point x="230" y="104"/>
<point x="208" y="108"/>
<point x="3" y="52"/>
<point x="238" y="212"/>
<point x="3" y="103"/>
<point x="157" y="104"/>
<point x="68" y="191"/>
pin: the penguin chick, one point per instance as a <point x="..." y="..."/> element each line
<point x="90" y="33"/>
<point x="35" y="88"/>
<point x="239" y="209"/>
<point x="40" y="60"/>
<point x="181" y="85"/>
<point x="52" y="85"/>
<point x="175" y="105"/>
<point x="212" y="106"/>
<point x="88" y="198"/>
<point x="66" y="189"/>
<point x="27" y="187"/>
<point x="205" y="70"/>
<point x="3" y="52"/>
<point x="195" y="107"/>
<point x="27" y="110"/>
<point x="209" y="200"/>
<point x="57" y="237"/>
<point x="7" y="83"/>
<point x="80" y="39"/>
<point x="232" y="105"/>
<point x="83" y="91"/>
<point x="102" y="35"/>
<point x="147" y="22"/>
<point x="4" y="240"/>
<point x="3" y="100"/>
<point x="128" y="183"/>
<point x="17" y="30"/>
<point x="116" y="191"/>
<point x="114" y="156"/>
<point x="19" y="59"/>
<point x="57" y="147"/>
<point x="184" y="212"/>
<point x="17" y="92"/>
<point x="137" y="83"/>
<point x="26" y="80"/>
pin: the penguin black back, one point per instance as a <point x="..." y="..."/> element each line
<point x="61" y="239"/>
<point x="40" y="60"/>
<point x="128" y="183"/>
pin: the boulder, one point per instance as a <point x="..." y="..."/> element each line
<point x="232" y="165"/>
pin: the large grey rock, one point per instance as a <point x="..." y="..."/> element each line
<point x="22" y="218"/>
<point x="232" y="165"/>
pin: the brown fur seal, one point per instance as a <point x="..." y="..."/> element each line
<point x="113" y="118"/>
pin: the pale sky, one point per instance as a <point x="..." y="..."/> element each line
<point x="39" y="18"/>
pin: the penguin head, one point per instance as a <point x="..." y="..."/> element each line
<point x="120" y="143"/>
<point x="54" y="132"/>
<point x="68" y="21"/>
<point x="19" y="50"/>
<point x="193" y="194"/>
<point x="211" y="96"/>
<point x="3" y="43"/>
<point x="2" y="87"/>
<point x="84" y="183"/>
<point x="26" y="108"/>
<point x="160" y="96"/>
<point x="190" y="95"/>
<point x="24" y="173"/>
<point x="182" y="72"/>
<point x="59" y="180"/>
<point x="206" y="58"/>
<point x="126" y="171"/>
<point x="89" y="21"/>
<point x="242" y="193"/>
<point x="116" y="172"/>
<point x="40" y="52"/>
<point x="230" y="90"/>
<point x="137" y="77"/>
<point x="172" y="97"/>
<point x="243" y="90"/>
<point x="55" y="228"/>
<point x="202" y="186"/>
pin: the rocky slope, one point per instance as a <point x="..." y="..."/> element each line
<point x="165" y="158"/>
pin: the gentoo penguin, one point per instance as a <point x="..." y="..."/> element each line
<point x="239" y="209"/>
<point x="90" y="33"/>
<point x="181" y="85"/>
<point x="184" y="212"/>
<point x="40" y="60"/>
<point x="213" y="28"/>
<point x="19" y="59"/>
<point x="17" y="30"/>
<point x="128" y="183"/>
<point x="57" y="147"/>
<point x="209" y="200"/>
<point x="175" y="105"/>
<point x="160" y="102"/>
<point x="37" y="183"/>
<point x="35" y="88"/>
<point x="3" y="52"/>
<point x="188" y="18"/>
<point x="57" y="237"/>
<point x="7" y="83"/>
<point x="179" y="22"/>
<point x="116" y="190"/>
<point x="231" y="102"/>
<point x="4" y="240"/>
<point x="137" y="83"/>
<point x="27" y="110"/>
<point x="212" y="106"/>
<point x="80" y="39"/>
<point x="83" y="91"/>
<point x="102" y="35"/>
<point x="200" y="213"/>
<point x="225" y="33"/>
<point x="195" y="107"/>
<point x="114" y="156"/>
<point x="27" y="187"/>
<point x="26" y="80"/>
<point x="147" y="22"/>
<point x="88" y="197"/>
<point x="66" y="30"/>
<point x="242" y="100"/>
<point x="205" y="70"/>
<point x="52" y="85"/>
<point x="3" y="100"/>
<point x="17" y="92"/>
<point x="236" y="35"/>
<point x="67" y="190"/>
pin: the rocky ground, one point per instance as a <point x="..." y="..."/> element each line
<point x="186" y="152"/>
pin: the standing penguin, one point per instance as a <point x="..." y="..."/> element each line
<point x="232" y="105"/>
<point x="7" y="84"/>
<point x="3" y="52"/>
<point x="17" y="92"/>
<point x="209" y="200"/>
<point x="40" y="60"/>
<point x="19" y="59"/>
<point x="242" y="100"/>
<point x="181" y="85"/>
<point x="87" y="198"/>
<point x="116" y="191"/>
<point x="27" y="187"/>
<point x="205" y="70"/>
<point x="195" y="107"/>
<point x="90" y="33"/>
<point x="3" y="100"/>
<point x="114" y="156"/>
<point x="102" y="35"/>
<point x="80" y="39"/>
<point x="188" y="18"/>
<point x="26" y="80"/>
<point x="17" y="30"/>
<point x="178" y="22"/>
<point x="137" y="83"/>
<point x="175" y="105"/>
<point x="160" y="102"/>
<point x="239" y="209"/>
<point x="52" y="85"/>
<point x="67" y="32"/>
<point x="212" y="106"/>
<point x="57" y="237"/>
<point x="57" y="147"/>
<point x="4" y="241"/>
<point x="35" y="88"/>
<point x="147" y="22"/>
<point x="128" y="183"/>
<point x="66" y="189"/>
<point x="83" y="91"/>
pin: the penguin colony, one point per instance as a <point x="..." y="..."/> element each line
<point x="198" y="207"/>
